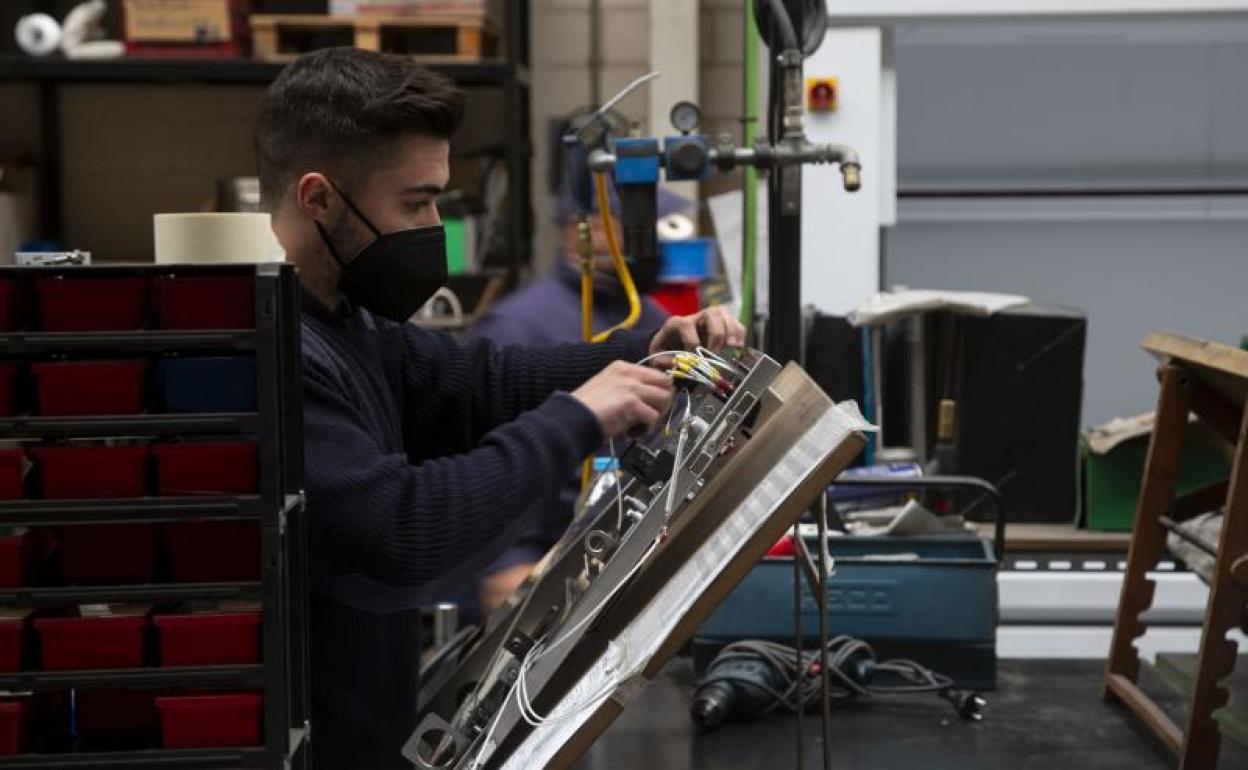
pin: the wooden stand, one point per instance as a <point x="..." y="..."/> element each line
<point x="451" y="37"/>
<point x="1210" y="380"/>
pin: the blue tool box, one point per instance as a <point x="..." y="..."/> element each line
<point x="208" y="384"/>
<point x="937" y="592"/>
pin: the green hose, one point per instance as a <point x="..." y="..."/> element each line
<point x="749" y="228"/>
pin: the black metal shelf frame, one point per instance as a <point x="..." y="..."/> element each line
<point x="138" y="342"/>
<point x="205" y="676"/>
<point x="150" y="594"/>
<point x="511" y="74"/>
<point x="127" y="425"/>
<point x="278" y="507"/>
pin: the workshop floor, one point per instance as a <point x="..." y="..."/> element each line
<point x="1046" y="715"/>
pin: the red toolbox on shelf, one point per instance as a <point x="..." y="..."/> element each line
<point x="13" y="725"/>
<point x="8" y="389"/>
<point x="77" y="644"/>
<point x="16" y="552"/>
<point x="12" y="639"/>
<point x="206" y="468"/>
<point x="9" y="320"/>
<point x="91" y="304"/>
<point x="210" y="721"/>
<point x="109" y="554"/>
<point x="84" y="472"/>
<point x="116" y="714"/>
<point x="211" y="302"/>
<point x="213" y="551"/>
<point x="11" y="473"/>
<point x="209" y="638"/>
<point x="84" y="388"/>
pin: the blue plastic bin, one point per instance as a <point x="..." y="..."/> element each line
<point x="214" y="384"/>
<point x="948" y="594"/>
<point x="687" y="259"/>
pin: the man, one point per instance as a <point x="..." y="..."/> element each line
<point x="421" y="454"/>
<point x="547" y="311"/>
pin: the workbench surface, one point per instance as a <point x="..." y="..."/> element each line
<point x="1046" y="715"/>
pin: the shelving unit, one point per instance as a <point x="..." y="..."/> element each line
<point x="278" y="508"/>
<point x="510" y="74"/>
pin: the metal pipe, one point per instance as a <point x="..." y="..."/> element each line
<point x="595" y="51"/>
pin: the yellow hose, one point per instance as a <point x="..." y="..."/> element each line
<point x="587" y="287"/>
<point x="586" y="246"/>
<point x="617" y="259"/>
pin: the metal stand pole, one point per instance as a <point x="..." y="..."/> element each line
<point x="825" y="683"/>
<point x="799" y="663"/>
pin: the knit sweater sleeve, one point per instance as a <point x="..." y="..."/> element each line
<point x="402" y="523"/>
<point x="483" y="386"/>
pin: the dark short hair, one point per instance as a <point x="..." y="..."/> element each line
<point x="339" y="110"/>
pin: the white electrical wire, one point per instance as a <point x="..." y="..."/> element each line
<point x="537" y="652"/>
<point x="680" y="452"/>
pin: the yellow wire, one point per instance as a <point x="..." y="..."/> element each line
<point x="586" y="245"/>
<point x="617" y="259"/>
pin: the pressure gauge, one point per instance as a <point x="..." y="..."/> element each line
<point x="686" y="116"/>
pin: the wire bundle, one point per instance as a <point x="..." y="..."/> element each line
<point x="850" y="662"/>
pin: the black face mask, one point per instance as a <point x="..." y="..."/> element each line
<point x="396" y="274"/>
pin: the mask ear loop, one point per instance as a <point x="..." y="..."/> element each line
<point x="353" y="208"/>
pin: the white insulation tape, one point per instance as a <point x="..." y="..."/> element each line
<point x="38" y="34"/>
<point x="676" y="227"/>
<point x="198" y="238"/>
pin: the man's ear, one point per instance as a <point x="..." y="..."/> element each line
<point x="315" y="196"/>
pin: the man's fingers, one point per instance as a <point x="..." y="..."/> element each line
<point x="689" y="339"/>
<point x="716" y="329"/>
<point x="736" y="332"/>
<point x="644" y="414"/>
<point x="653" y="377"/>
<point x="658" y="398"/>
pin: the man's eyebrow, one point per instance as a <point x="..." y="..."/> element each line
<point x="429" y="189"/>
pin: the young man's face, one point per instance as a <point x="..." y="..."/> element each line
<point x="400" y="193"/>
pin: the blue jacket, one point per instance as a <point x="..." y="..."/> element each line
<point x="547" y="311"/>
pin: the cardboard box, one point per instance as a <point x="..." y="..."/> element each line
<point x="1112" y="457"/>
<point x="178" y="21"/>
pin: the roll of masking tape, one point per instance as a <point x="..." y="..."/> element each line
<point x="676" y="227"/>
<point x="38" y="34"/>
<point x="199" y="238"/>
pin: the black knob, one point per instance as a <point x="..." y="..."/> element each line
<point x="687" y="158"/>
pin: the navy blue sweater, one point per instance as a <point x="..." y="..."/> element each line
<point x="423" y="457"/>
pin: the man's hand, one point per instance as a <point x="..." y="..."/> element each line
<point x="624" y="396"/>
<point x="714" y="328"/>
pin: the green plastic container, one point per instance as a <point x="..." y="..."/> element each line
<point x="456" y="248"/>
<point x="1111" y="482"/>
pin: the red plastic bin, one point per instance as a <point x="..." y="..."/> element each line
<point x="11" y="473"/>
<point x="224" y="302"/>
<point x="210" y="721"/>
<point x="84" y="472"/>
<point x="116" y="714"/>
<point x="79" y="388"/>
<point x="213" y="551"/>
<point x="91" y="304"/>
<point x="8" y="390"/>
<point x="209" y="639"/>
<point x="678" y="297"/>
<point x="12" y="636"/>
<point x="76" y="644"/>
<point x="8" y="306"/>
<point x="13" y="733"/>
<point x="115" y="554"/>
<point x="14" y="560"/>
<point x="206" y="469"/>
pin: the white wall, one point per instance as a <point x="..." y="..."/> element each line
<point x="1160" y="108"/>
